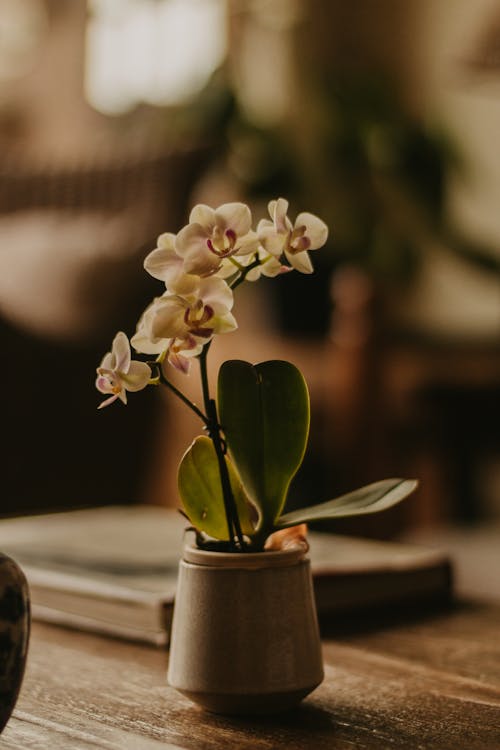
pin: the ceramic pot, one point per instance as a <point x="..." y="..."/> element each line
<point x="245" y="637"/>
<point x="14" y="634"/>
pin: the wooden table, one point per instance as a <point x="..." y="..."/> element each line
<point x="429" y="682"/>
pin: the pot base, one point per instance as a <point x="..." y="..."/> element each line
<point x="234" y="704"/>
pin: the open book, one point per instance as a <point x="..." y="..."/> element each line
<point x="113" y="570"/>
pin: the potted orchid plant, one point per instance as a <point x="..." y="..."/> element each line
<point x="234" y="479"/>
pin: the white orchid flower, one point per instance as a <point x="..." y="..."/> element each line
<point x="279" y="236"/>
<point x="119" y="373"/>
<point x="215" y="234"/>
<point x="176" y="351"/>
<point x="180" y="353"/>
<point x="142" y="339"/>
<point x="202" y="313"/>
<point x="165" y="264"/>
<point x="179" y="325"/>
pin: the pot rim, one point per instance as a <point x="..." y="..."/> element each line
<point x="244" y="560"/>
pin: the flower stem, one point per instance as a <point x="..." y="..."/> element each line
<point x="205" y="419"/>
<point x="214" y="430"/>
<point x="244" y="271"/>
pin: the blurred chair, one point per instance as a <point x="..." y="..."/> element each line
<point x="72" y="243"/>
<point x="449" y="426"/>
<point x="402" y="402"/>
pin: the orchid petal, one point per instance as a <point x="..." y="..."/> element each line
<point x="168" y="319"/>
<point x="142" y="339"/>
<point x="203" y="215"/>
<point x="248" y="244"/>
<point x="300" y="261"/>
<point x="190" y="238"/>
<point x="108" y="401"/>
<point x="279" y="215"/>
<point x="225" y="323"/>
<point x="201" y="262"/>
<point x="168" y="266"/>
<point x="102" y="383"/>
<point x="235" y="216"/>
<point x="254" y="274"/>
<point x="183" y="284"/>
<point x="121" y="351"/>
<point x="143" y="344"/>
<point x="179" y="362"/>
<point x="316" y="229"/>
<point x="226" y="270"/>
<point x="192" y="244"/>
<point x="271" y="241"/>
<point x="137" y="377"/>
<point x="166" y="241"/>
<point x="216" y="292"/>
<point x="264" y="224"/>
<point x="107" y="362"/>
<point x="271" y="207"/>
<point x="161" y="262"/>
<point x="273" y="267"/>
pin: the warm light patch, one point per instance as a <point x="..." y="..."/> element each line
<point x="161" y="52"/>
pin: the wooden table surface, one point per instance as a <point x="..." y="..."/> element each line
<point x="429" y="682"/>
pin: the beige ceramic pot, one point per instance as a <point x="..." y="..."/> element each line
<point x="245" y="636"/>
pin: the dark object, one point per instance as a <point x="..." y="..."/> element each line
<point x="14" y="634"/>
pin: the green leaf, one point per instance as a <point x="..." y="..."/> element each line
<point x="369" y="499"/>
<point x="264" y="412"/>
<point x="201" y="491"/>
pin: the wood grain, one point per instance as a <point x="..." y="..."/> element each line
<point x="432" y="683"/>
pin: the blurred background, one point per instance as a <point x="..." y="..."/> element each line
<point x="382" y="117"/>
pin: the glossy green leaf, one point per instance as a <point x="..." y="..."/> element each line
<point x="369" y="499"/>
<point x="264" y="412"/>
<point x="201" y="491"/>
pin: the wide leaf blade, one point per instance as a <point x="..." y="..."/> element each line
<point x="264" y="412"/>
<point x="201" y="491"/>
<point x="372" y="498"/>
